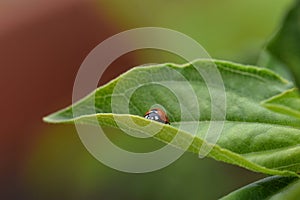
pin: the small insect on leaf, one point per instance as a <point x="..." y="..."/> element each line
<point x="158" y="115"/>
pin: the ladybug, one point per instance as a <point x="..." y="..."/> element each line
<point x="158" y="115"/>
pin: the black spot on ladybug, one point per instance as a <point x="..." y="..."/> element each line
<point x="158" y="115"/>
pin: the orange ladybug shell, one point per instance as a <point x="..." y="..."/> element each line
<point x="157" y="114"/>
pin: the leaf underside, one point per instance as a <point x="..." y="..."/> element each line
<point x="253" y="136"/>
<point x="287" y="103"/>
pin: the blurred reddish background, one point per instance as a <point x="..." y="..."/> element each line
<point x="43" y="44"/>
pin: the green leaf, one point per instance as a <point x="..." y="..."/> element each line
<point x="287" y="103"/>
<point x="283" y="50"/>
<point x="272" y="188"/>
<point x="253" y="137"/>
<point x="267" y="60"/>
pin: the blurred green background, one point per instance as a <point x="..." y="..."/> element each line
<point x="42" y="47"/>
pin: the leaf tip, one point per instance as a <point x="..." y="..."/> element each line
<point x="62" y="116"/>
<point x="50" y="118"/>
